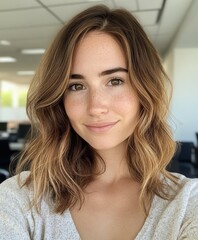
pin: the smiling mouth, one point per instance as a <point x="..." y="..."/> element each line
<point x="101" y="127"/>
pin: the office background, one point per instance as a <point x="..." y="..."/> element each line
<point x="171" y="25"/>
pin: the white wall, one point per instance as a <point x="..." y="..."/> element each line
<point x="15" y="114"/>
<point x="181" y="63"/>
<point x="184" y="106"/>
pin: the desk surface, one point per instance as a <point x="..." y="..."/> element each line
<point x="16" y="146"/>
<point x="4" y="134"/>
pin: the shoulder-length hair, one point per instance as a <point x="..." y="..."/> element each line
<point x="61" y="163"/>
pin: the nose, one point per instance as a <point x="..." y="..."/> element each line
<point x="97" y="103"/>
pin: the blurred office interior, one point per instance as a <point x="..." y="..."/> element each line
<point x="28" y="26"/>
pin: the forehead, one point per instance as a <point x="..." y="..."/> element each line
<point x="97" y="49"/>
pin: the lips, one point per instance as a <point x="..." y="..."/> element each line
<point x="100" y="127"/>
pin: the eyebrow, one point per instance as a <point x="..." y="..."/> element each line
<point x="103" y="73"/>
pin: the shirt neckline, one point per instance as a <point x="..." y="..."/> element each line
<point x="144" y="226"/>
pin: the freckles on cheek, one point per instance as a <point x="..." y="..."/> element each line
<point x="126" y="103"/>
<point x="121" y="100"/>
<point x="73" y="108"/>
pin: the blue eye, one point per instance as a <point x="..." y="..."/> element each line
<point x="115" y="82"/>
<point x="76" y="87"/>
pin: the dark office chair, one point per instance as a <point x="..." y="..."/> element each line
<point x="5" y="154"/>
<point x="4" y="174"/>
<point x="183" y="162"/>
<point x="197" y="137"/>
<point x="3" y="126"/>
<point x="23" y="131"/>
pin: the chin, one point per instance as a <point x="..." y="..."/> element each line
<point x="101" y="147"/>
<point x="104" y="146"/>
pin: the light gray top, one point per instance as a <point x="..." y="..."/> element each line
<point x="167" y="220"/>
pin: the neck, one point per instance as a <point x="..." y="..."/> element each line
<point x="116" y="167"/>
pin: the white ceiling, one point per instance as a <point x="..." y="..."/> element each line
<point x="33" y="24"/>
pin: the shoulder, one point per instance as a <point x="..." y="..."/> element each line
<point x="175" y="218"/>
<point x="12" y="188"/>
<point x="13" y="182"/>
<point x="188" y="189"/>
<point x="20" y="220"/>
<point x="186" y="192"/>
<point x="14" y="208"/>
<point x="186" y="204"/>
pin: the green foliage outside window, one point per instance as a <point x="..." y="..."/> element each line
<point x="22" y="98"/>
<point x="6" y="99"/>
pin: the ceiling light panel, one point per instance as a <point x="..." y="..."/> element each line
<point x="4" y="43"/>
<point x="33" y="51"/>
<point x="7" y="59"/>
<point x="25" y="73"/>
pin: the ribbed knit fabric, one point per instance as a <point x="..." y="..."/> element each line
<point x="167" y="220"/>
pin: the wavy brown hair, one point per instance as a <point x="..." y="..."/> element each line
<point x="61" y="163"/>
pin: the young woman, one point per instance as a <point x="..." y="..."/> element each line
<point x="95" y="166"/>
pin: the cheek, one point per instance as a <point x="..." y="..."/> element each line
<point x="126" y="103"/>
<point x="73" y="108"/>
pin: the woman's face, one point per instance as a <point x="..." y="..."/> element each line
<point x="100" y="103"/>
